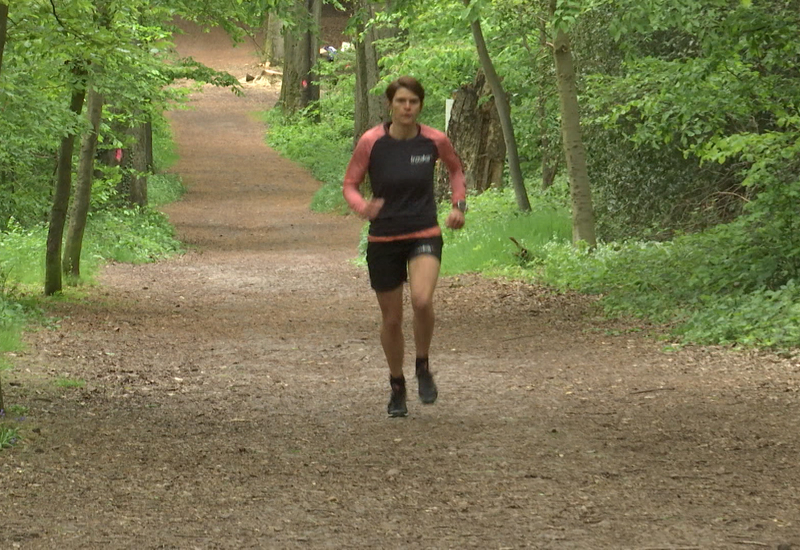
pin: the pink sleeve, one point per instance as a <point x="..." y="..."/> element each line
<point x="458" y="183"/>
<point x="356" y="170"/>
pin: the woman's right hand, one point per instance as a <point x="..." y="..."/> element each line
<point x="374" y="206"/>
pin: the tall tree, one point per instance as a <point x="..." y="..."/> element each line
<point x="550" y="161"/>
<point x="273" y="39"/>
<point x="139" y="165"/>
<point x="83" y="187"/>
<point x="503" y="107"/>
<point x="583" y="223"/>
<point x="299" y="86"/>
<point x="370" y="109"/>
<point x="3" y="27"/>
<point x="63" y="187"/>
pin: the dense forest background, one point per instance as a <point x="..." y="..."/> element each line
<point x="651" y="148"/>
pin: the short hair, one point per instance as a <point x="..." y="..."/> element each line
<point x="409" y="83"/>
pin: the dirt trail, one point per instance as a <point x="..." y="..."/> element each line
<point x="236" y="395"/>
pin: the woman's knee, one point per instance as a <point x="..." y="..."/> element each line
<point x="422" y="302"/>
<point x="392" y="318"/>
<point x="392" y="323"/>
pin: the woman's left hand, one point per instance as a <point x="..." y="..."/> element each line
<point x="455" y="220"/>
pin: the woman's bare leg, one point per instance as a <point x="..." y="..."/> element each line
<point x="423" y="273"/>
<point x="392" y="340"/>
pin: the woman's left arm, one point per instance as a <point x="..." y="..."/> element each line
<point x="458" y="184"/>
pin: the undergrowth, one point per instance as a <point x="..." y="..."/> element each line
<point x="9" y="435"/>
<point x="113" y="234"/>
<point x="708" y="287"/>
<point x="497" y="234"/>
<point x="322" y="148"/>
<point x="721" y="286"/>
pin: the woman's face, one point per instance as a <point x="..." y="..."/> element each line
<point x="405" y="107"/>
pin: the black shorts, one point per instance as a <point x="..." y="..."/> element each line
<point x="388" y="261"/>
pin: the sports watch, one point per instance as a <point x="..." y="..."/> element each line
<point x="461" y="205"/>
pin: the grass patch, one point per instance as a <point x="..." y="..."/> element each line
<point x="9" y="436"/>
<point x="165" y="150"/>
<point x="164" y="189"/>
<point x="695" y="284"/>
<point x="22" y="251"/>
<point x="69" y="383"/>
<point x="131" y="236"/>
<point x="17" y="410"/>
<point x="485" y="244"/>
<point x="120" y="235"/>
<point x="323" y="147"/>
<point x="10" y="338"/>
<point x="15" y="312"/>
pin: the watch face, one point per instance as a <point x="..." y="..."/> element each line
<point x="462" y="205"/>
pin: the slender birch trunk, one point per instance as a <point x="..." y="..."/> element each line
<point x="504" y="111"/>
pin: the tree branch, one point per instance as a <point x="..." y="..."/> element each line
<point x="55" y="14"/>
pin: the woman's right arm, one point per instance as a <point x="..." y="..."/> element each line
<point x="356" y="170"/>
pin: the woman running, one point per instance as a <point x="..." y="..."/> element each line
<point x="405" y="240"/>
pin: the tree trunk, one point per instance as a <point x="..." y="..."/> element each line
<point x="79" y="211"/>
<point x="63" y="184"/>
<point x="550" y="161"/>
<point x="292" y="80"/>
<point x="504" y="111"/>
<point x="299" y="86"/>
<point x="311" y="43"/>
<point x="148" y="146"/>
<point x="475" y="131"/>
<point x="574" y="150"/>
<point x="3" y="27"/>
<point x="361" y="120"/>
<point x="376" y="104"/>
<point x="138" y="196"/>
<point x="120" y="157"/>
<point x="135" y="161"/>
<point x="370" y="109"/>
<point x="273" y="40"/>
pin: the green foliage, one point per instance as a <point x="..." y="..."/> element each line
<point x="656" y="197"/>
<point x="695" y="102"/>
<point x="9" y="435"/>
<point x="714" y="287"/>
<point x="17" y="410"/>
<point x="165" y="150"/>
<point x="164" y="189"/>
<point x="438" y="50"/>
<point x="321" y="144"/>
<point x="22" y="254"/>
<point x="12" y="317"/>
<point x="126" y="51"/>
<point x="123" y="235"/>
<point x="15" y="311"/>
<point x="485" y="244"/>
<point x="10" y="320"/>
<point x="764" y="318"/>
<point x="690" y="113"/>
<point x="128" y="235"/>
<point x="329" y="198"/>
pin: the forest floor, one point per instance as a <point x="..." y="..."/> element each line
<point x="236" y="395"/>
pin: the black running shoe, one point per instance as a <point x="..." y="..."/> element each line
<point x="397" y="403"/>
<point x="427" y="387"/>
